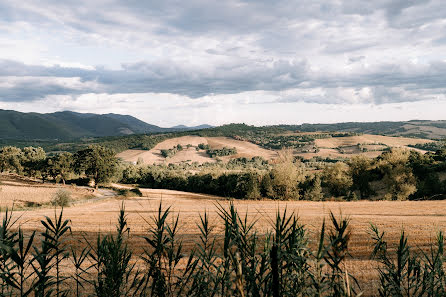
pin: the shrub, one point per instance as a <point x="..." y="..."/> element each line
<point x="130" y="192"/>
<point x="61" y="198"/>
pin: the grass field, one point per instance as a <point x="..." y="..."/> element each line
<point x="420" y="219"/>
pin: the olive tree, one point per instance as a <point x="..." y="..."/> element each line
<point x="337" y="179"/>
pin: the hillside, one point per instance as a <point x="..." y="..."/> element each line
<point x="92" y="215"/>
<point x="68" y="125"/>
<point x="187" y="128"/>
<point x="331" y="147"/>
<point x="415" y="128"/>
<point x="190" y="153"/>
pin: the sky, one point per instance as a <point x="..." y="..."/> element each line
<point x="259" y="62"/>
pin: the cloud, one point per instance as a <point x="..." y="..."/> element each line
<point x="323" y="52"/>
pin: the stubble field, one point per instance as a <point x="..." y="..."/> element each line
<point x="420" y="219"/>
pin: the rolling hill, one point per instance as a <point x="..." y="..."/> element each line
<point x="415" y="128"/>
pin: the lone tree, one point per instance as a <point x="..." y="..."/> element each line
<point x="97" y="162"/>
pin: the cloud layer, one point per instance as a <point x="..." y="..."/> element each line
<point x="235" y="53"/>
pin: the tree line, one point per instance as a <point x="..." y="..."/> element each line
<point x="396" y="174"/>
<point x="95" y="162"/>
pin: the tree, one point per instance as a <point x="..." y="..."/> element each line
<point x="10" y="159"/>
<point x="32" y="158"/>
<point x="285" y="177"/>
<point x="397" y="174"/>
<point x="359" y="169"/>
<point x="97" y="162"/>
<point x="337" y="179"/>
<point x="314" y="189"/>
<point x="62" y="165"/>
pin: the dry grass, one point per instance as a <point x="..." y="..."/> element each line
<point x="420" y="219"/>
<point x="22" y="192"/>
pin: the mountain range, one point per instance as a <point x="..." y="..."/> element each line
<point x="66" y="125"/>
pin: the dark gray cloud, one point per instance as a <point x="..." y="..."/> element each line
<point x="23" y="82"/>
<point x="147" y="77"/>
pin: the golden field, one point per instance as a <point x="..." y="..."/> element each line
<point x="23" y="192"/>
<point x="420" y="219"/>
<point x="153" y="156"/>
<point x="328" y="147"/>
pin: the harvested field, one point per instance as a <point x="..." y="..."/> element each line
<point x="334" y="142"/>
<point x="244" y="149"/>
<point x="420" y="219"/>
<point x="347" y="147"/>
<point x="22" y="192"/>
<point x="334" y="153"/>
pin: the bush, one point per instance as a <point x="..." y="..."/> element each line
<point x="226" y="151"/>
<point x="130" y="192"/>
<point x="61" y="198"/>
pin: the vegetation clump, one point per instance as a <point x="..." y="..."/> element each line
<point x="226" y="151"/>
<point x="167" y="153"/>
<point x="61" y="198"/>
<point x="130" y="192"/>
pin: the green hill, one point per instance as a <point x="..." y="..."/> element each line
<point x="69" y="125"/>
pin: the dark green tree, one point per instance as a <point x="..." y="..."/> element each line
<point x="10" y="159"/>
<point x="32" y="158"/>
<point x="359" y="168"/>
<point x="314" y="189"/>
<point x="62" y="166"/>
<point x="97" y="162"/>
